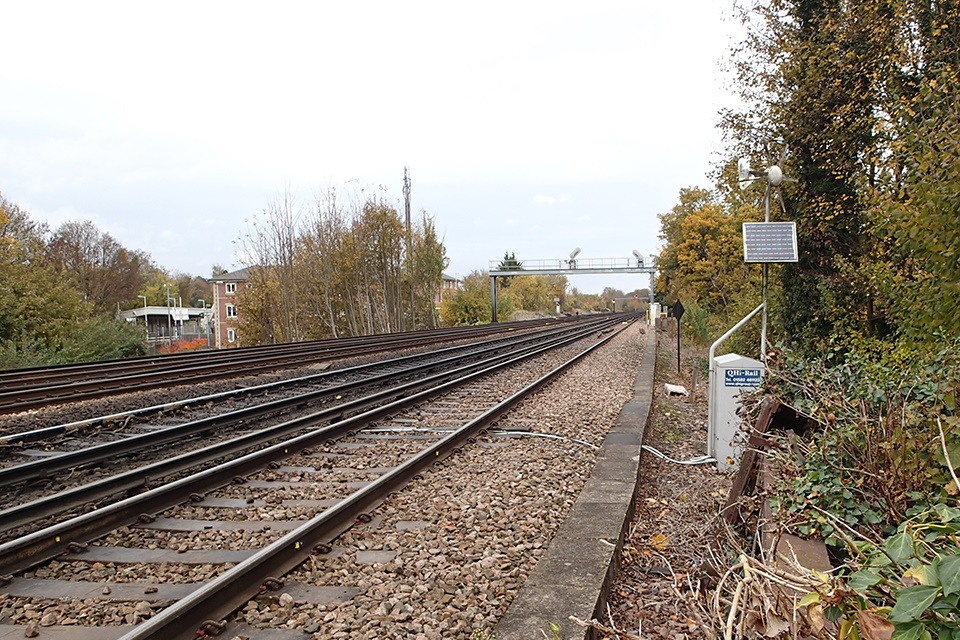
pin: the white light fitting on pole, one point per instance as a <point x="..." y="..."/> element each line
<point x="773" y="176"/>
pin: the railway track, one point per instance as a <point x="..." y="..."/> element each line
<point x="27" y="389"/>
<point x="479" y="344"/>
<point x="38" y="489"/>
<point x="310" y="454"/>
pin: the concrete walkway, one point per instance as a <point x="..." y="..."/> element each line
<point x="574" y="576"/>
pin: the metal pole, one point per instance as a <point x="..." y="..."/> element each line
<point x="711" y="405"/>
<point x="169" y="316"/>
<point x="678" y="345"/>
<point x="493" y="296"/>
<point x="146" y="318"/>
<point x="413" y="284"/>
<point x="763" y="320"/>
<point x="763" y="285"/>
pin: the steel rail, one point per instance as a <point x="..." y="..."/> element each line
<point x="233" y="588"/>
<point x="37" y="397"/>
<point x="42" y="545"/>
<point x="33" y="397"/>
<point x="41" y="433"/>
<point x="45" y="467"/>
<point x="240" y="364"/>
<point x="85" y="368"/>
<point x="138" y="479"/>
<point x="122" y="366"/>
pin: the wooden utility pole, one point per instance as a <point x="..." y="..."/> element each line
<point x="410" y="261"/>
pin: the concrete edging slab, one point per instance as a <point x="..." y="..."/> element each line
<point x="573" y="578"/>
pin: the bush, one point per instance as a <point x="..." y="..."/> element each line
<point x="878" y="483"/>
<point x="879" y="455"/>
<point x="103" y="338"/>
<point x="97" y="338"/>
<point x="185" y="345"/>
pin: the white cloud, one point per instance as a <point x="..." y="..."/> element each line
<point x="142" y="119"/>
<point x="55" y="217"/>
<point x="558" y="199"/>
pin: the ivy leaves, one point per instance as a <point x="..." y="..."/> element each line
<point x="919" y="569"/>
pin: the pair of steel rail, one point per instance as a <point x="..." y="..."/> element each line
<point x="424" y="374"/>
<point x="34" y="388"/>
<point x="200" y="613"/>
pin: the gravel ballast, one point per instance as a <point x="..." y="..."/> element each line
<point x="445" y="556"/>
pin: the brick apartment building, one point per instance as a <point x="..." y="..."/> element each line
<point x="225" y="291"/>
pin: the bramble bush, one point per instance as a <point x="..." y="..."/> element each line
<point x="879" y="455"/>
<point x="184" y="345"/>
<point x="878" y="481"/>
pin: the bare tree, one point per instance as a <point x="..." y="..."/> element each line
<point x="429" y="259"/>
<point x="342" y="270"/>
<point x="270" y="248"/>
<point x="103" y="271"/>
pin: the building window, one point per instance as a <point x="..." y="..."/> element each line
<point x="231" y="311"/>
<point x="231" y="335"/>
<point x="231" y="287"/>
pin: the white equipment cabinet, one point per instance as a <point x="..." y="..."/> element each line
<point x="734" y="374"/>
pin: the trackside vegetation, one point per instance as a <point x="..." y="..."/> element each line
<point x="863" y="94"/>
<point x="59" y="292"/>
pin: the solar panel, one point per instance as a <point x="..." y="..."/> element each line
<point x="770" y="242"/>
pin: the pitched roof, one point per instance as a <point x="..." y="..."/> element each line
<point x="238" y="275"/>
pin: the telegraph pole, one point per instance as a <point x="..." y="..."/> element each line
<point x="406" y="207"/>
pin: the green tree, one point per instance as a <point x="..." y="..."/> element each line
<point x="379" y="233"/>
<point x="43" y="319"/>
<point x="472" y="303"/>
<point x="837" y="81"/>
<point x="271" y="245"/>
<point x="509" y="263"/>
<point x="918" y="208"/>
<point x="608" y="296"/>
<point x="258" y="319"/>
<point x="428" y="262"/>
<point x="537" y="293"/>
<point x="702" y="260"/>
<point x="192" y="290"/>
<point x="342" y="269"/>
<point x="588" y="302"/>
<point x="96" y="265"/>
<point x="103" y="338"/>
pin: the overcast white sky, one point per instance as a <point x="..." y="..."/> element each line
<point x="531" y="127"/>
